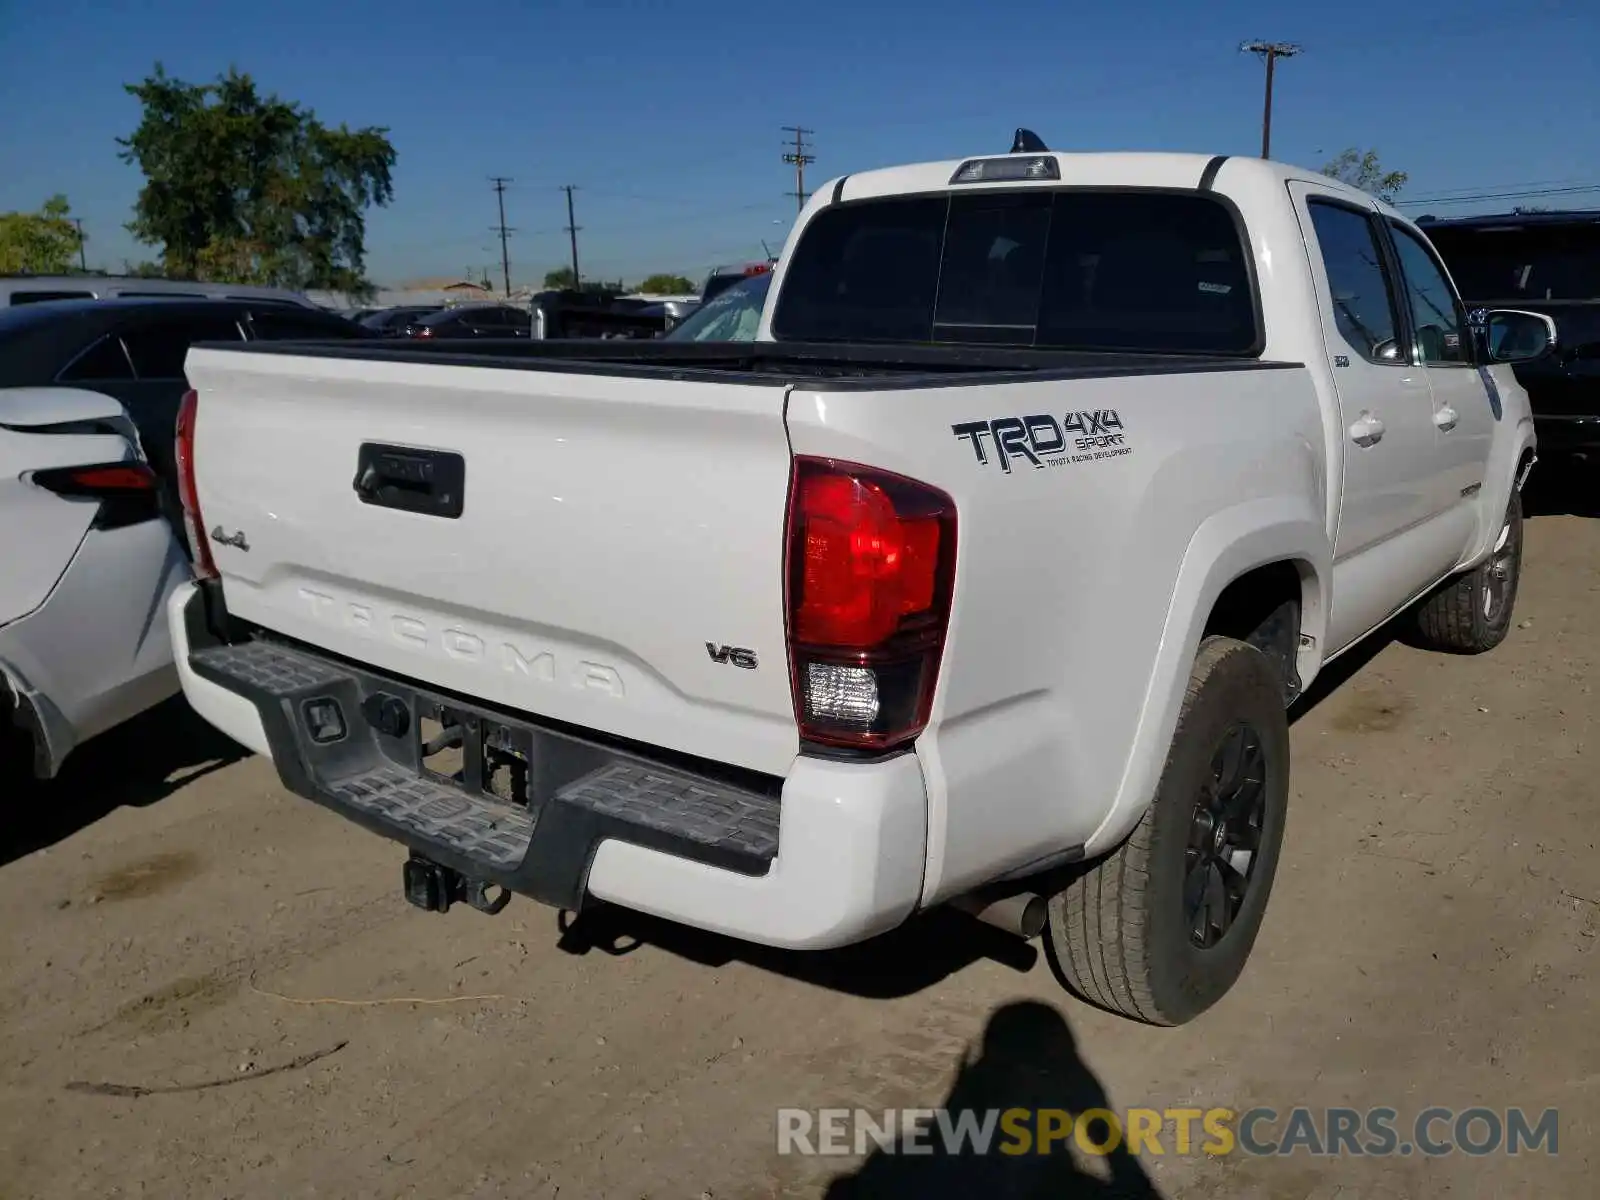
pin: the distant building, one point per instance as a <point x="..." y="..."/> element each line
<point x="419" y="292"/>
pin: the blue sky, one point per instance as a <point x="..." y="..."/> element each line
<point x="667" y="115"/>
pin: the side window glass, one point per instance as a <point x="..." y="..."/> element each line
<point x="104" y="362"/>
<point x="1434" y="309"/>
<point x="158" y="350"/>
<point x="1358" y="285"/>
<point x="41" y="297"/>
<point x="287" y="326"/>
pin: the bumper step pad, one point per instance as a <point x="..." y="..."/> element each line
<point x="542" y="849"/>
<point x="674" y="804"/>
<point x="496" y="835"/>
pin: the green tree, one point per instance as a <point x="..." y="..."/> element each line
<point x="666" y="285"/>
<point x="1363" y="170"/>
<point x="246" y="188"/>
<point x="46" y="242"/>
<point x="560" y="280"/>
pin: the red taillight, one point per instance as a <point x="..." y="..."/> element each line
<point x="113" y="478"/>
<point x="193" y="524"/>
<point x="127" y="492"/>
<point x="871" y="563"/>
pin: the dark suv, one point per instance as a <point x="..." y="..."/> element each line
<point x="1545" y="262"/>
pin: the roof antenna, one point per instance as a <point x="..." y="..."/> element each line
<point x="1028" y="142"/>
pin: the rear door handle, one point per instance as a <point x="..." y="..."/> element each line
<point x="1366" y="430"/>
<point x="1446" y="418"/>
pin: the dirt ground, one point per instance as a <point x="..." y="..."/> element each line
<point x="170" y="917"/>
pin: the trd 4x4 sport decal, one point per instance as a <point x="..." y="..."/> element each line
<point x="1041" y="440"/>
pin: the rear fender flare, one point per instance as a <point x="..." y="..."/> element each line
<point x="1502" y="475"/>
<point x="1225" y="546"/>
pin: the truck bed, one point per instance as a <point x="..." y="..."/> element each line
<point x="828" y="366"/>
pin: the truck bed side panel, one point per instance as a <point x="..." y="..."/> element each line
<point x="1065" y="575"/>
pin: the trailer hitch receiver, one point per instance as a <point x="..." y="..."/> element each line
<point x="434" y="888"/>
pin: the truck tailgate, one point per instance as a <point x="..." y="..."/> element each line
<point x="611" y="539"/>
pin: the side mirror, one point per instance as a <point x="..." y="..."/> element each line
<point x="1511" y="335"/>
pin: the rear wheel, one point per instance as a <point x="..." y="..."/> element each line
<point x="1471" y="612"/>
<point x="1160" y="928"/>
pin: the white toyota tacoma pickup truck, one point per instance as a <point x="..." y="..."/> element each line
<point x="985" y="575"/>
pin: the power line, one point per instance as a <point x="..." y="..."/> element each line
<point x="500" y="182"/>
<point x="1271" y="52"/>
<point x="1480" y="196"/>
<point x="572" y="232"/>
<point x="799" y="158"/>
<point x="1446" y="193"/>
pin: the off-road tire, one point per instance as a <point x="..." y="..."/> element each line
<point x="1118" y="934"/>
<point x="1471" y="612"/>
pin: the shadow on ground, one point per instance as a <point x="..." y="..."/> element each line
<point x="1027" y="1059"/>
<point x="1346" y="667"/>
<point x="1562" y="488"/>
<point x="926" y="949"/>
<point x="134" y="765"/>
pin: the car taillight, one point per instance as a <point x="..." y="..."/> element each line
<point x="871" y="564"/>
<point x="193" y="523"/>
<point x="127" y="492"/>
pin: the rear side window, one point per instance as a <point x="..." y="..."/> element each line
<point x="1359" y="286"/>
<point x="158" y="349"/>
<point x="286" y="326"/>
<point x="104" y="362"/>
<point x="1158" y="272"/>
<point x="41" y="297"/>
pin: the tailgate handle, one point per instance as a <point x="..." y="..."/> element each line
<point x="430" y="482"/>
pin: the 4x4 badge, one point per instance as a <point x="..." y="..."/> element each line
<point x="237" y="540"/>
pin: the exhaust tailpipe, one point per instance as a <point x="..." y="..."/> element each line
<point x="1022" y="913"/>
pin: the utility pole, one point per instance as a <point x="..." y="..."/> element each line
<point x="503" y="229"/>
<point x="799" y="158"/>
<point x="83" y="259"/>
<point x="572" y="232"/>
<point x="1271" y="52"/>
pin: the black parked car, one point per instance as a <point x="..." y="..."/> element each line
<point x="473" y="321"/>
<point x="393" y="321"/>
<point x="1546" y="262"/>
<point x="134" y="351"/>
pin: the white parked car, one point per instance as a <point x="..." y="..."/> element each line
<point x="984" y="575"/>
<point x="89" y="563"/>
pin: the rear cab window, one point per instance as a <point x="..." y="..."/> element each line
<point x="1511" y="261"/>
<point x="1074" y="269"/>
